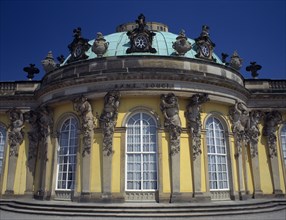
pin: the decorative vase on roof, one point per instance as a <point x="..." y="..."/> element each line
<point x="236" y="61"/>
<point x="49" y="63"/>
<point x="100" y="45"/>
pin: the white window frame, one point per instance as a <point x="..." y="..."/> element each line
<point x="68" y="155"/>
<point x="283" y="142"/>
<point x="3" y="133"/>
<point x="142" y="153"/>
<point x="216" y="154"/>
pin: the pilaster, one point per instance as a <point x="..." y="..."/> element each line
<point x="256" y="174"/>
<point x="175" y="177"/>
<point x="12" y="164"/>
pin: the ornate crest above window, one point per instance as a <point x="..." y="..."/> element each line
<point x="141" y="38"/>
<point x="78" y="46"/>
<point x="204" y="45"/>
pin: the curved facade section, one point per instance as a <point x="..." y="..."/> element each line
<point x="147" y="123"/>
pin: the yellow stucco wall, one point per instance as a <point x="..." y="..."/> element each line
<point x="186" y="184"/>
<point x="129" y="103"/>
<point x="166" y="177"/>
<point x="96" y="164"/>
<point x="264" y="166"/>
<point x="115" y="167"/>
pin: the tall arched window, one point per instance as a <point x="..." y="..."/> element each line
<point x="141" y="153"/>
<point x="68" y="144"/>
<point x="217" y="155"/>
<point x="2" y="144"/>
<point x="283" y="142"/>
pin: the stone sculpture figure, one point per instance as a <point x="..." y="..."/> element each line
<point x="253" y="132"/>
<point x="33" y="134"/>
<point x="271" y="122"/>
<point x="239" y="116"/>
<point x="108" y="120"/>
<point x="45" y="123"/>
<point x="16" y="134"/>
<point x="170" y="109"/>
<point x="193" y="115"/>
<point x="83" y="107"/>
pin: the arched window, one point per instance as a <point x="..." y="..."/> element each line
<point x="2" y="144"/>
<point x="283" y="142"/>
<point x="141" y="153"/>
<point x="68" y="144"/>
<point x="217" y="155"/>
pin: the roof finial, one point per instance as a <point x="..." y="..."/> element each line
<point x="253" y="68"/>
<point x="31" y="70"/>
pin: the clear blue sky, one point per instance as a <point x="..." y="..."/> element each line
<point x="255" y="28"/>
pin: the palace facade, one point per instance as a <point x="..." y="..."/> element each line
<point x="143" y="115"/>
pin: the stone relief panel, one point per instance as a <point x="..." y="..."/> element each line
<point x="83" y="107"/>
<point x="271" y="122"/>
<point x="108" y="119"/>
<point x="170" y="109"/>
<point x="193" y="116"/>
<point x="15" y="133"/>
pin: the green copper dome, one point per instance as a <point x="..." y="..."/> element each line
<point x="162" y="42"/>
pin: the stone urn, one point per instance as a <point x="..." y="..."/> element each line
<point x="49" y="63"/>
<point x="182" y="45"/>
<point x="100" y="45"/>
<point x="236" y="61"/>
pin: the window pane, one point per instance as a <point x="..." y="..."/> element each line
<point x="283" y="142"/>
<point x="217" y="154"/>
<point x="67" y="155"/>
<point x="2" y="144"/>
<point x="141" y="153"/>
